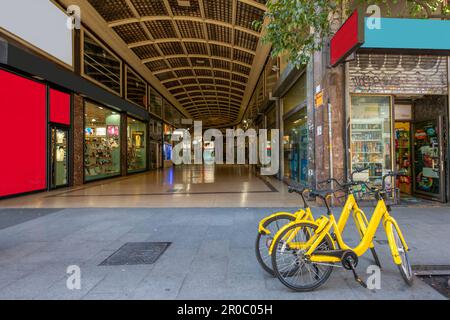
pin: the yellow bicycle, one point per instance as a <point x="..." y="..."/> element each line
<point x="271" y="225"/>
<point x="308" y="251"/>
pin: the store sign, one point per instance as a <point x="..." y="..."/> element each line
<point x="41" y="24"/>
<point x="319" y="99"/>
<point x="348" y="38"/>
<point x="403" y="112"/>
<point x="398" y="74"/>
<point x="388" y="33"/>
<point x="408" y="34"/>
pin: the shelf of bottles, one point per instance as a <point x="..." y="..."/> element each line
<point x="369" y="149"/>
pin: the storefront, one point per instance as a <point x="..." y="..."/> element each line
<point x="156" y="136"/>
<point x="295" y="138"/>
<point x="397" y="101"/>
<point x="136" y="145"/>
<point x="398" y="121"/>
<point x="102" y="156"/>
<point x="167" y="147"/>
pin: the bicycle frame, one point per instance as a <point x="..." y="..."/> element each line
<point x="351" y="206"/>
<point x="381" y="214"/>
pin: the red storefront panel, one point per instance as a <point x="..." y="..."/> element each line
<point x="59" y="107"/>
<point x="348" y="38"/>
<point x="23" y="147"/>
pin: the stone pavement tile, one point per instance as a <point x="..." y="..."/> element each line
<point x="59" y="290"/>
<point x="33" y="284"/>
<point x="243" y="260"/>
<point x="209" y="265"/>
<point x="159" y="287"/>
<point x="174" y="261"/>
<point x="121" y="279"/>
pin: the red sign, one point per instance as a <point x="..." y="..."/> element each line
<point x="348" y="38"/>
<point x="59" y="107"/>
<point x="23" y="128"/>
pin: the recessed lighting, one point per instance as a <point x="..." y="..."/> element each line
<point x="100" y="108"/>
<point x="184" y="3"/>
<point x="93" y="120"/>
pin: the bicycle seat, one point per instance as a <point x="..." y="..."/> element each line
<point x="296" y="188"/>
<point x="322" y="194"/>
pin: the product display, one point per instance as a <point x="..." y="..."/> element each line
<point x="102" y="143"/>
<point x="136" y="145"/>
<point x="296" y="148"/>
<point x="403" y="156"/>
<point x="370" y="137"/>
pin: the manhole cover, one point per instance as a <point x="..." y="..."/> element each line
<point x="137" y="253"/>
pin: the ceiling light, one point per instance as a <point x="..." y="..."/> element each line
<point x="184" y="3"/>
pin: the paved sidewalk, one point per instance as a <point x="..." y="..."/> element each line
<point x="211" y="256"/>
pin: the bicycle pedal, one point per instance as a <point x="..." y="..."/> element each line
<point x="358" y="279"/>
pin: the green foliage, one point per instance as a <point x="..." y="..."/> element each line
<point x="297" y="27"/>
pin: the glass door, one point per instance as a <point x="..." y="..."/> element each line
<point x="59" y="157"/>
<point x="429" y="178"/>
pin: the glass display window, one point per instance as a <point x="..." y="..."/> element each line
<point x="295" y="147"/>
<point x="136" y="145"/>
<point x="102" y="142"/>
<point x="371" y="138"/>
<point x="156" y="103"/>
<point x="296" y="95"/>
<point x="136" y="89"/>
<point x="100" y="65"/>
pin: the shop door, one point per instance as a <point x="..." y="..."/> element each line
<point x="59" y="166"/>
<point x="428" y="159"/>
<point x="155" y="152"/>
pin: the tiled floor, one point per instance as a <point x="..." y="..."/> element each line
<point x="211" y="256"/>
<point x="187" y="186"/>
<point x="209" y="214"/>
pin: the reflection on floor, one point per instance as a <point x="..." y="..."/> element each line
<point x="184" y="186"/>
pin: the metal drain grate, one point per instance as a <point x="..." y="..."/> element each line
<point x="436" y="276"/>
<point x="137" y="253"/>
<point x="439" y="283"/>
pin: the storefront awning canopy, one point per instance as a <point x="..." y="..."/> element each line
<point x="389" y="34"/>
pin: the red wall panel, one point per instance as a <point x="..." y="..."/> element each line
<point x="23" y="123"/>
<point x="59" y="107"/>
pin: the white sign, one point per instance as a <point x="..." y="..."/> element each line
<point x="403" y="112"/>
<point x="40" y="23"/>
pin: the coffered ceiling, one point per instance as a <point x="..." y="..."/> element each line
<point x="202" y="51"/>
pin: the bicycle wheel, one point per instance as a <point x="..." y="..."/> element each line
<point x="405" y="266"/>
<point x="263" y="241"/>
<point x="291" y="267"/>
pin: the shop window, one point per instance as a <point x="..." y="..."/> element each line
<point x="168" y="112"/>
<point x="296" y="95"/>
<point x="23" y="129"/>
<point x="167" y="152"/>
<point x="136" y="89"/>
<point x="102" y="142"/>
<point x="371" y="128"/>
<point x="155" y="103"/>
<point x="100" y="65"/>
<point x="295" y="146"/>
<point x="137" y="145"/>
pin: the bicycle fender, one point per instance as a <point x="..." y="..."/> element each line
<point x="264" y="222"/>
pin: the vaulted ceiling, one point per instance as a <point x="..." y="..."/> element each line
<point x="202" y="51"/>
